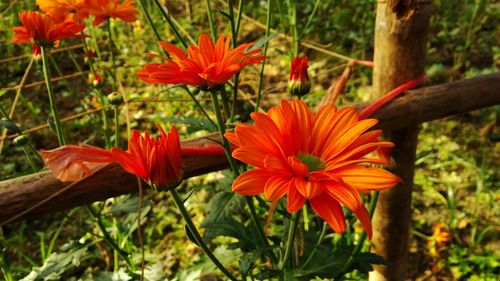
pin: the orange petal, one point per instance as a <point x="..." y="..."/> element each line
<point x="295" y="200"/>
<point x="329" y="210"/>
<point x="73" y="163"/>
<point x="276" y="187"/>
<point x="350" y="198"/>
<point x="252" y="182"/>
<point x="367" y="178"/>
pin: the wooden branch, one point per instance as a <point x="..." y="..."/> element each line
<point x="20" y="194"/>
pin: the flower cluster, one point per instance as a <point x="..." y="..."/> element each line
<point x="62" y="19"/>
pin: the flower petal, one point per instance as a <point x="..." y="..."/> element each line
<point x="252" y="182"/>
<point x="367" y="178"/>
<point x="330" y="210"/>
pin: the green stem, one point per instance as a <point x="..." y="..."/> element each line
<point x="111" y="53"/>
<point x="290" y="240"/>
<point x="194" y="231"/>
<point x="107" y="237"/>
<point x="231" y="20"/>
<point x="60" y="73"/>
<point x="222" y="130"/>
<point x="238" y="18"/>
<point x="261" y="75"/>
<point x="53" y="108"/>
<point x="150" y="21"/>
<point x="225" y="102"/>
<point x="236" y="172"/>
<point x="117" y="126"/>
<point x="359" y="246"/>
<point x="198" y="104"/>
<point x="211" y="21"/>
<point x="30" y="159"/>
<point x="311" y="16"/>
<point x="292" y="18"/>
<point x="170" y="23"/>
<point x="235" y="95"/>
<point x="318" y="243"/>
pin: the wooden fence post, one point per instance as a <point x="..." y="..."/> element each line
<point x="401" y="30"/>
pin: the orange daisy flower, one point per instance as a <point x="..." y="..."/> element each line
<point x="62" y="10"/>
<point x="206" y="65"/>
<point x="315" y="157"/>
<point x="157" y="162"/>
<point x="41" y="30"/>
<point x="103" y="9"/>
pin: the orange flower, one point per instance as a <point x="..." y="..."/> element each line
<point x="440" y="237"/>
<point x="157" y="162"/>
<point x="62" y="10"/>
<point x="207" y="65"/>
<point x="43" y="31"/>
<point x="299" y="83"/>
<point x="73" y="162"/>
<point x="103" y="9"/>
<point x="314" y="157"/>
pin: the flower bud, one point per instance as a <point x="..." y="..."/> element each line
<point x="20" y="140"/>
<point x="299" y="83"/>
<point x="94" y="80"/>
<point x="115" y="99"/>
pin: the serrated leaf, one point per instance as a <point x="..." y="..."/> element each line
<point x="56" y="264"/>
<point x="221" y="208"/>
<point x="232" y="228"/>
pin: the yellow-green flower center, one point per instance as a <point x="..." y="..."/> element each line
<point x="312" y="162"/>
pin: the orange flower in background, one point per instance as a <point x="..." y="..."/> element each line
<point x="315" y="157"/>
<point x="43" y="31"/>
<point x="73" y="162"/>
<point x="103" y="9"/>
<point x="440" y="237"/>
<point x="299" y="83"/>
<point x="206" y="65"/>
<point x="156" y="161"/>
<point x="62" y="10"/>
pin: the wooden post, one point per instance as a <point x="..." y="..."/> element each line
<point x="401" y="30"/>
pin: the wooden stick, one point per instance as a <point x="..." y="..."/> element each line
<point x="414" y="107"/>
<point x="401" y="30"/>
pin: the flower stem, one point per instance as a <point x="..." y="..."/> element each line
<point x="53" y="108"/>
<point x="170" y="23"/>
<point x="117" y="125"/>
<point x="106" y="235"/>
<point x="292" y="18"/>
<point x="111" y="53"/>
<point x="261" y="75"/>
<point x="30" y="159"/>
<point x="290" y="240"/>
<point x="211" y="21"/>
<point x="315" y="249"/>
<point x="199" y="240"/>
<point x="236" y="172"/>
<point x="359" y="246"/>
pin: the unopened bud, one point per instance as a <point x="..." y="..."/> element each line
<point x="299" y="83"/>
<point x="20" y="140"/>
<point x="115" y="98"/>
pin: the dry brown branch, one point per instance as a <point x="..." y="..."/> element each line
<point x="412" y="108"/>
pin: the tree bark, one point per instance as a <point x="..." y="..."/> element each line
<point x="401" y="30"/>
<point x="414" y="107"/>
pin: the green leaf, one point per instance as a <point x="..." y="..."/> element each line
<point x="194" y="124"/>
<point x="10" y="126"/>
<point x="262" y="41"/>
<point x="221" y="208"/>
<point x="230" y="227"/>
<point x="58" y="263"/>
